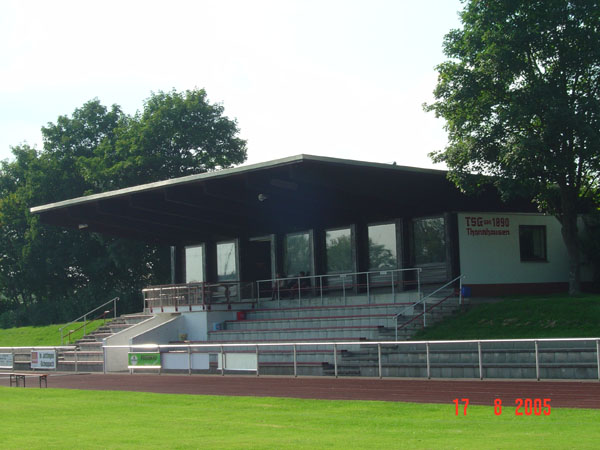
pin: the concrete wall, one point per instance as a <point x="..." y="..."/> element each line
<point x="116" y="358"/>
<point x="198" y="324"/>
<point x="489" y="249"/>
<point x="162" y="329"/>
<point x="162" y="333"/>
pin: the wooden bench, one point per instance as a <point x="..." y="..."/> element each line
<point x="16" y="377"/>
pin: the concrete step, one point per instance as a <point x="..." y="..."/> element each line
<point x="132" y="319"/>
<point x="82" y="356"/>
<point x="90" y="346"/>
<point x="100" y="336"/>
<point x="337" y="300"/>
<point x="297" y="334"/>
<point x="82" y="366"/>
<point x="308" y="344"/>
<point x="324" y="311"/>
<point x="467" y="370"/>
<point x="312" y="322"/>
<point x="113" y="327"/>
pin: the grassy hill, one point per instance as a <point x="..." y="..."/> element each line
<point x="512" y="318"/>
<point x="40" y="336"/>
<point x="524" y="317"/>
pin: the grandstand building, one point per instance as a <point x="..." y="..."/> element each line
<point x="322" y="216"/>
<point x="313" y="248"/>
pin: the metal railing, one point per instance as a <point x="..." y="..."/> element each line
<point x="423" y="301"/>
<point x="299" y="287"/>
<point x="99" y="317"/>
<point x="85" y="316"/>
<point x="477" y="347"/>
<point x="190" y="294"/>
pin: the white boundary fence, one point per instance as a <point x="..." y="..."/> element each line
<point x="15" y="352"/>
<point x="221" y="351"/>
<point x="248" y="360"/>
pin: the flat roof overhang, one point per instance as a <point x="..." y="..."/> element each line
<point x="289" y="194"/>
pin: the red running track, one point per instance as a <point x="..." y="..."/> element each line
<point x="573" y="394"/>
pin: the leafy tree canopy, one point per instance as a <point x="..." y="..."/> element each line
<point x="49" y="274"/>
<point x="520" y="96"/>
<point x="176" y="134"/>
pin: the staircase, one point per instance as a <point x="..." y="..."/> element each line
<point x="332" y="319"/>
<point x="88" y="355"/>
<point x="516" y="360"/>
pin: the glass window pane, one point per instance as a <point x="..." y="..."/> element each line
<point x="226" y="261"/>
<point x="339" y="250"/>
<point x="430" y="241"/>
<point x="298" y="254"/>
<point x="194" y="264"/>
<point x="532" y="242"/>
<point x="382" y="247"/>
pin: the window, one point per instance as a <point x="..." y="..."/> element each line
<point x="532" y="242"/>
<point x="194" y="264"/>
<point x="382" y="247"/>
<point x="298" y="254"/>
<point x="226" y="261"/>
<point x="339" y="250"/>
<point x="430" y="241"/>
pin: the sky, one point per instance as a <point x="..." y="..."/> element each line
<point x="344" y="79"/>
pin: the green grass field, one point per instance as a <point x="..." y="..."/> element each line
<point x="53" y="418"/>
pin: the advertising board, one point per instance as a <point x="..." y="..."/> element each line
<point x="144" y="360"/>
<point x="43" y="359"/>
<point x="6" y="361"/>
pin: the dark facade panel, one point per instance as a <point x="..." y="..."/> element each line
<point x="282" y="196"/>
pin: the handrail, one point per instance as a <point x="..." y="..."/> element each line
<point x="84" y="317"/>
<point x="195" y="293"/>
<point x="101" y="316"/>
<point x="424" y="299"/>
<point x="319" y="286"/>
<point x="421" y="313"/>
<point x="317" y="343"/>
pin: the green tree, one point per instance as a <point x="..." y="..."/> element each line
<point x="339" y="254"/>
<point x="176" y="134"/>
<point x="381" y="257"/>
<point x="520" y="96"/>
<point x="48" y="273"/>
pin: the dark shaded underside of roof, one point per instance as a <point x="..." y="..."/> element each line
<point x="298" y="193"/>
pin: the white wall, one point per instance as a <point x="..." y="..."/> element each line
<point x="116" y="358"/>
<point x="161" y="334"/>
<point x="162" y="329"/>
<point x="489" y="250"/>
<point x="198" y="324"/>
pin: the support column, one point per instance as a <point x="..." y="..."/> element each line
<point x="173" y="263"/>
<point x="362" y="247"/>
<point x="319" y="252"/>
<point x="177" y="264"/>
<point x="452" y="245"/>
<point x="210" y="247"/>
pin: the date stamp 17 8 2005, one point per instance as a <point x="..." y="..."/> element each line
<point x="523" y="406"/>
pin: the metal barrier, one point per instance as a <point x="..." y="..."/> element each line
<point x="57" y="349"/>
<point x="85" y="316"/>
<point x="351" y="283"/>
<point x="299" y="287"/>
<point x="423" y="301"/>
<point x="190" y="294"/>
<point x="427" y="351"/>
